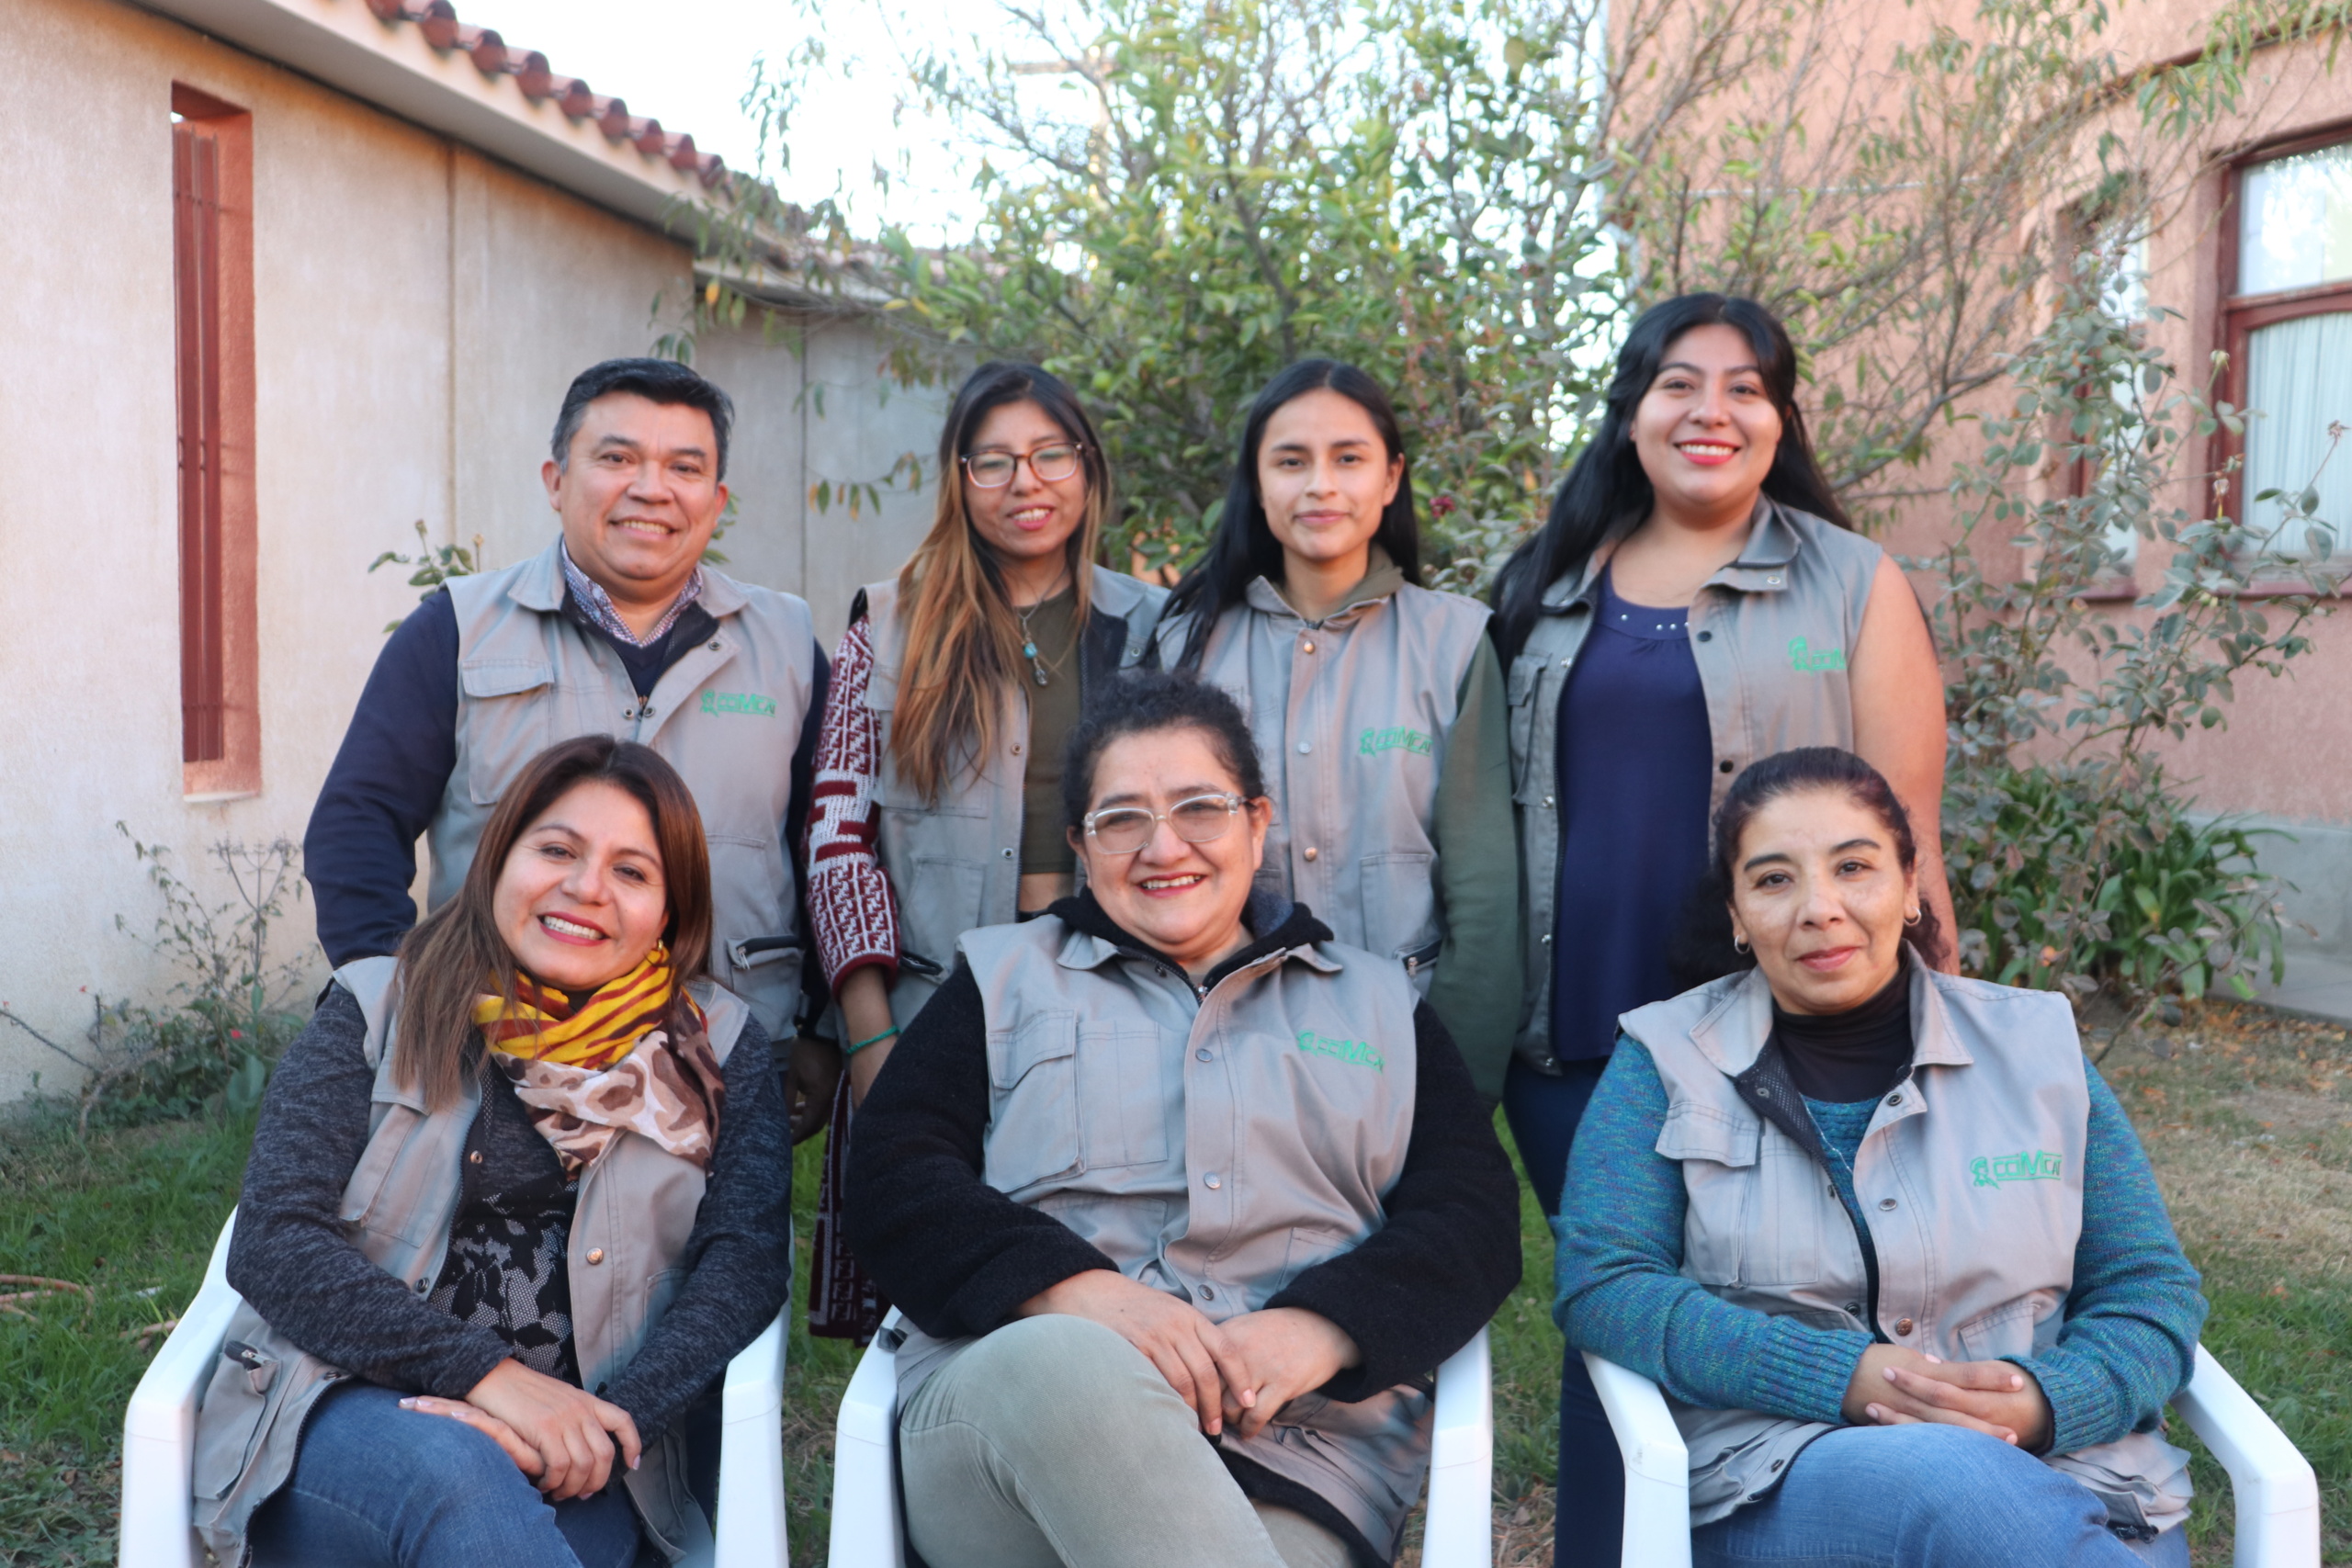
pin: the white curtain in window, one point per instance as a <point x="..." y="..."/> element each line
<point x="2298" y="380"/>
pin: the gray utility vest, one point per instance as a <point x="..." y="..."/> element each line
<point x="954" y="863"/>
<point x="1975" y="1263"/>
<point x="1351" y="715"/>
<point x="635" y="1208"/>
<point x="727" y="715"/>
<point x="1213" y="1147"/>
<point x="1770" y="633"/>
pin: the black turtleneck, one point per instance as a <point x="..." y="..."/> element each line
<point x="1842" y="1057"/>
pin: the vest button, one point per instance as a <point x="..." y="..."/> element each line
<point x="474" y="1158"/>
<point x="1706" y="637"/>
<point x="1723" y="766"/>
<point x="1208" y="1292"/>
<point x="1212" y="1181"/>
<point x="595" y="1254"/>
<point x="1203" y="1055"/>
<point x="1903" y="1325"/>
<point x="1886" y="1205"/>
<point x="1304" y="747"/>
<point x="1547" y="938"/>
<point x="1895" y="1098"/>
<point x="1547" y="802"/>
<point x="1855" y="1308"/>
<point x="1307" y="645"/>
<point x="1833" y="1193"/>
<point x="1310" y="852"/>
<point x="1007" y="854"/>
<point x="1016" y="750"/>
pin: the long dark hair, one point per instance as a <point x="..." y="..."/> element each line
<point x="1606" y="490"/>
<point x="456" y="955"/>
<point x="963" y="641"/>
<point x="1703" y="950"/>
<point x="1244" y="546"/>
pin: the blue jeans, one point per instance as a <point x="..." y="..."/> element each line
<point x="1544" y="1112"/>
<point x="1925" y="1496"/>
<point x="376" y="1486"/>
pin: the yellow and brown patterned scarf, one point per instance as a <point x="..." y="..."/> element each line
<point x="614" y="1064"/>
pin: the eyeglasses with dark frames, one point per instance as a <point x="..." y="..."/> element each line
<point x="994" y="471"/>
<point x="1123" y="829"/>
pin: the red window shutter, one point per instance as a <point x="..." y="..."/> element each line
<point x="196" y="272"/>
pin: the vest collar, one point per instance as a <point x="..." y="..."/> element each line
<point x="1114" y="592"/>
<point x="1382" y="579"/>
<point x="1731" y="1034"/>
<point x="1292" y="931"/>
<point x="539" y="585"/>
<point x="1762" y="567"/>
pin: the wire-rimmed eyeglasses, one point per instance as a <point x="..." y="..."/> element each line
<point x="1123" y="829"/>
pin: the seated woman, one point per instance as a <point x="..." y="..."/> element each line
<point x="1167" y="1161"/>
<point x="541" y="1155"/>
<point x="1884" y="1239"/>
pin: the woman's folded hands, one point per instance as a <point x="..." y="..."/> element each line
<point x="561" y="1435"/>
<point x="1240" y="1372"/>
<point x="1893" y="1386"/>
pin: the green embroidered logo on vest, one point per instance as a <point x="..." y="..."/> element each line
<point x="739" y="702"/>
<point x="2039" y="1165"/>
<point x="1371" y="742"/>
<point x="1804" y="660"/>
<point x="1362" y="1053"/>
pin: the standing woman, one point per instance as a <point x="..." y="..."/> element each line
<point x="1696" y="601"/>
<point x="1377" y="703"/>
<point x="937" y="806"/>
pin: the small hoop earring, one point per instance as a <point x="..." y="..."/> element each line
<point x="1912" y="918"/>
<point x="1739" y="947"/>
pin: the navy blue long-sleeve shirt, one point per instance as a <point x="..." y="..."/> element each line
<point x="360" y="852"/>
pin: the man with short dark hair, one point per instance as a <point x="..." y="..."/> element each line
<point x="618" y="628"/>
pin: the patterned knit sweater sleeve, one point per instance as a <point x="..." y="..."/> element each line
<point x="850" y="903"/>
<point x="1621" y="1293"/>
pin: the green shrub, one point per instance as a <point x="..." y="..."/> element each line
<point x="2090" y="877"/>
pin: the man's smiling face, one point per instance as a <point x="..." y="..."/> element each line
<point x="640" y="495"/>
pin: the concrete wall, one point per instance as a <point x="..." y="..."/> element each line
<point x="419" y="312"/>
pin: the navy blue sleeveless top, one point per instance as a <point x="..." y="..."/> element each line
<point x="1634" y="755"/>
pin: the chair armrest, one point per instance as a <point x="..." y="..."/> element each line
<point x="749" y="1530"/>
<point x="1460" y="1528"/>
<point x="865" y="1528"/>
<point x="1658" y="1466"/>
<point x="158" y="1425"/>
<point x="2276" y="1493"/>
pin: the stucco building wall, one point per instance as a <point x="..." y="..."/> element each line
<point x="419" y="310"/>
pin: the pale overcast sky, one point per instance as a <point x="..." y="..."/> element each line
<point x="687" y="64"/>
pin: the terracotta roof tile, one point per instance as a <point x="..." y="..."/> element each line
<point x="494" y="56"/>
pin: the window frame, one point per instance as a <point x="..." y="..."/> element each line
<point x="216" y="525"/>
<point x="2239" y="316"/>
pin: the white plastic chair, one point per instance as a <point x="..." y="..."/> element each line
<point x="159" y="1441"/>
<point x="1458" y="1532"/>
<point x="2276" y="1493"/>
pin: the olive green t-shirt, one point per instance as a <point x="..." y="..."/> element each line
<point x="1053" y="714"/>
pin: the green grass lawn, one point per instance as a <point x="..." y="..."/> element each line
<point x="2251" y="1131"/>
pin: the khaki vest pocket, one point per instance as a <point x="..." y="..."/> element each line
<point x="1399" y="894"/>
<point x="504" y="721"/>
<point x="1033" y="1124"/>
<point x="1124" y="1086"/>
<point x="1718" y="1159"/>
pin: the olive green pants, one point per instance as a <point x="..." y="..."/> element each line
<point x="1055" y="1442"/>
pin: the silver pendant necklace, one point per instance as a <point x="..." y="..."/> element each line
<point x="1028" y="642"/>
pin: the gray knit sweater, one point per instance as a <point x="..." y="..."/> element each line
<point x="295" y="1262"/>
